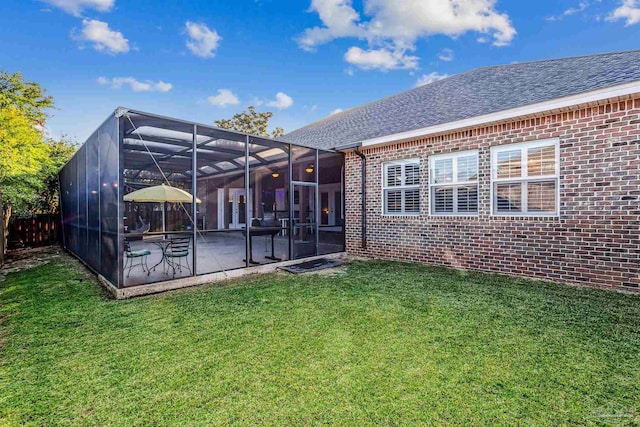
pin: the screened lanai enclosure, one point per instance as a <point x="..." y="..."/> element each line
<point x="148" y="199"/>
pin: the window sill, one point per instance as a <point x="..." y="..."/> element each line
<point x="405" y="215"/>
<point x="526" y="215"/>
<point x="454" y="215"/>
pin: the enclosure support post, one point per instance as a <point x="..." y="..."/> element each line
<point x="194" y="205"/>
<point x="316" y="207"/>
<point x="120" y="209"/>
<point x="291" y="197"/>
<point x="247" y="218"/>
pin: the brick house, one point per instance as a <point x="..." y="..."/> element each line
<point x="529" y="169"/>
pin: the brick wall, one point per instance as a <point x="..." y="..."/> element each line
<point x="595" y="241"/>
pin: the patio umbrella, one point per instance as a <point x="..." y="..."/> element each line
<point x="160" y="194"/>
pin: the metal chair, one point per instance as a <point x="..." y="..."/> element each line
<point x="143" y="228"/>
<point x="177" y="250"/>
<point x="131" y="255"/>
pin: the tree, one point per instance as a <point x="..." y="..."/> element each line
<point x="23" y="151"/>
<point x="23" y="108"/>
<point x="22" y="154"/>
<point x="251" y="122"/>
<point x="28" y="97"/>
<point x="22" y="147"/>
<point x="60" y="152"/>
<point x="33" y="188"/>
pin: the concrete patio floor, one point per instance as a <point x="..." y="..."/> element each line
<point x="215" y="252"/>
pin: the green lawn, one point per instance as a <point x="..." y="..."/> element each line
<point x="384" y="343"/>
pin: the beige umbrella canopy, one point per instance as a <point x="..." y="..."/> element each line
<point x="160" y="194"/>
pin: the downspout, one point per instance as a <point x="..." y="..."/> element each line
<point x="364" y="196"/>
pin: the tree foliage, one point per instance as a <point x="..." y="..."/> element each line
<point x="29" y="162"/>
<point x="60" y="152"/>
<point x="28" y="97"/>
<point x="23" y="107"/>
<point x="22" y="147"/>
<point x="251" y="122"/>
<point x="35" y="190"/>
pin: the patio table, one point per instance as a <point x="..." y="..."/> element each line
<point x="163" y="244"/>
<point x="261" y="231"/>
<point x="161" y="240"/>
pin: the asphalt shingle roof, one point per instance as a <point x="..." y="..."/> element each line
<point x="477" y="92"/>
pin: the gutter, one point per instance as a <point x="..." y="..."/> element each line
<point x="346" y="147"/>
<point x="364" y="196"/>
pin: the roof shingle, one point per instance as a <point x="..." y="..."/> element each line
<point x="474" y="93"/>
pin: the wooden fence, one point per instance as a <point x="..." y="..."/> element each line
<point x="40" y="230"/>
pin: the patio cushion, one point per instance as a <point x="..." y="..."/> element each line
<point x="136" y="254"/>
<point x="177" y="254"/>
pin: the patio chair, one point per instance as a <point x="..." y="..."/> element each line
<point x="143" y="228"/>
<point x="131" y="255"/>
<point x="177" y="250"/>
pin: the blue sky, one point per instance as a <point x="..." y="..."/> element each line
<point x="204" y="60"/>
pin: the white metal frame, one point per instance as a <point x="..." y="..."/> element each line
<point x="455" y="184"/>
<point x="331" y="190"/>
<point x="402" y="187"/>
<point x="524" y="179"/>
<point x="233" y="194"/>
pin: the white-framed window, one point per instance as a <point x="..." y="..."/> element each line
<point x="453" y="183"/>
<point x="401" y="187"/>
<point x="525" y="178"/>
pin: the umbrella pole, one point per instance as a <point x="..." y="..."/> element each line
<point x="164" y="214"/>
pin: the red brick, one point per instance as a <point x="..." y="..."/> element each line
<point x="594" y="242"/>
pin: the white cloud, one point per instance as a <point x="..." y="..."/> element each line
<point x="430" y="78"/>
<point x="282" y="101"/>
<point x="629" y="10"/>
<point x="570" y="11"/>
<point x="396" y="25"/>
<point x="406" y="20"/>
<point x="136" y="85"/>
<point x="103" y="38"/>
<point x="380" y="59"/>
<point x="446" y="55"/>
<point x="336" y="111"/>
<point x="76" y="7"/>
<point x="203" y="41"/>
<point x="339" y="19"/>
<point x="223" y="98"/>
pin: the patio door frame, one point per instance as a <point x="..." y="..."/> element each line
<point x="334" y="215"/>
<point x="233" y="194"/>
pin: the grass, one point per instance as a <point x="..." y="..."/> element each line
<point x="385" y="344"/>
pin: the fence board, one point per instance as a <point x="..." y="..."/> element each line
<point x="41" y="230"/>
